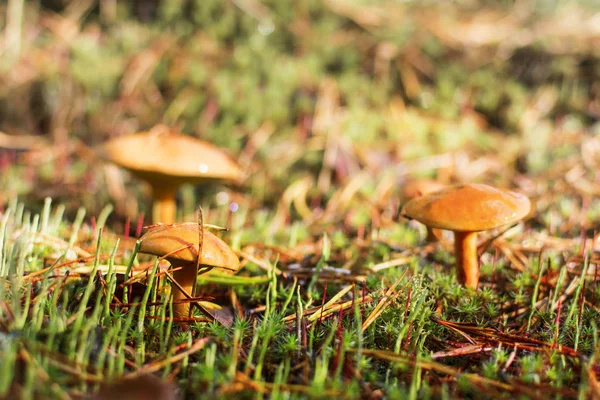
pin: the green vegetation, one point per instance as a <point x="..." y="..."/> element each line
<point x="330" y="106"/>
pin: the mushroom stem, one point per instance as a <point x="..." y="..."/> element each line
<point x="467" y="264"/>
<point x="186" y="277"/>
<point x="164" y="207"/>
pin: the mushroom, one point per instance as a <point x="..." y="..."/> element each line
<point x="179" y="244"/>
<point x="422" y="187"/>
<point x="466" y="210"/>
<point x="166" y="160"/>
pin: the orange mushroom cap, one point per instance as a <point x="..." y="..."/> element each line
<point x="179" y="242"/>
<point x="171" y="158"/>
<point x="468" y="208"/>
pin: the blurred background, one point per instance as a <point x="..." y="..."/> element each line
<point x="323" y="102"/>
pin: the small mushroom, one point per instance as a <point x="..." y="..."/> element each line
<point x="466" y="210"/>
<point x="179" y="244"/>
<point x="423" y="187"/>
<point x="166" y="160"/>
